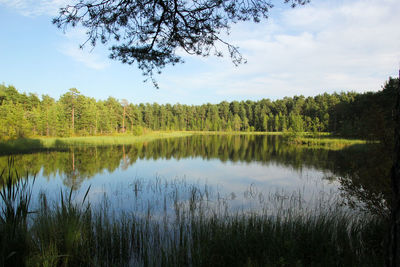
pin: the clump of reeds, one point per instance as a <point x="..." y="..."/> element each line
<point x="15" y="197"/>
<point x="36" y="144"/>
<point x="61" y="234"/>
<point x="322" y="140"/>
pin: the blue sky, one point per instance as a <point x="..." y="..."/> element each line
<point x="326" y="46"/>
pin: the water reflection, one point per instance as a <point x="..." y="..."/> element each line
<point x="233" y="161"/>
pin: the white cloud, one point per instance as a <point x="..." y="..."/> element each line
<point x="87" y="56"/>
<point x="324" y="46"/>
<point x="36" y="7"/>
<point x="90" y="60"/>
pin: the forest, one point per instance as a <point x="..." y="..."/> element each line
<point x="351" y="114"/>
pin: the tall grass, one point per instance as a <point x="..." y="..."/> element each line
<point x="109" y="140"/>
<point x="30" y="145"/>
<point x="324" y="141"/>
<point x="190" y="225"/>
<point x="15" y="197"/>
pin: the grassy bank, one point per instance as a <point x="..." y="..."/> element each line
<point x="71" y="232"/>
<point x="324" y="141"/>
<point x="319" y="140"/>
<point x="31" y="145"/>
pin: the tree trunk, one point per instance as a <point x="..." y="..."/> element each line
<point x="95" y="129"/>
<point x="123" y="120"/>
<point x="73" y="119"/>
<point x="73" y="162"/>
<point x="47" y="122"/>
<point x="394" y="253"/>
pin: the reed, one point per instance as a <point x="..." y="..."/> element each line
<point x="324" y="141"/>
<point x="31" y="145"/>
<point x="15" y="197"/>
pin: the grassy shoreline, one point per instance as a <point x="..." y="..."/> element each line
<point x="37" y="144"/>
<point x="324" y="141"/>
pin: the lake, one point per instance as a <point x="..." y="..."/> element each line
<point x="250" y="173"/>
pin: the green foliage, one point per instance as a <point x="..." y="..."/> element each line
<point x="194" y="27"/>
<point x="61" y="235"/>
<point x="137" y="130"/>
<point x="350" y="114"/>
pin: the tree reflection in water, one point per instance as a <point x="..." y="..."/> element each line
<point x="362" y="170"/>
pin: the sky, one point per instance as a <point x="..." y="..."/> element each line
<point x="325" y="46"/>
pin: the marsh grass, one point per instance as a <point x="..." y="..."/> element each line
<point x="22" y="145"/>
<point x="187" y="224"/>
<point x="322" y="140"/>
<point x="120" y="139"/>
<point x="31" y="145"/>
<point x="15" y="197"/>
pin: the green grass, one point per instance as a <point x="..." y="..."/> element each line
<point x="324" y="140"/>
<point x="31" y="145"/>
<point x="15" y="196"/>
<point x="234" y="133"/>
<point x="199" y="232"/>
<point x="329" y="142"/>
<point x="109" y="140"/>
<point x="319" y="140"/>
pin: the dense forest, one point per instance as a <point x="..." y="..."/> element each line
<point x="367" y="115"/>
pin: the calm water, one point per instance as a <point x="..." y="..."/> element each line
<point x="241" y="170"/>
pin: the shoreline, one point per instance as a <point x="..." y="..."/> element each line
<point x="39" y="144"/>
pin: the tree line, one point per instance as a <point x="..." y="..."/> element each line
<point x="367" y="115"/>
